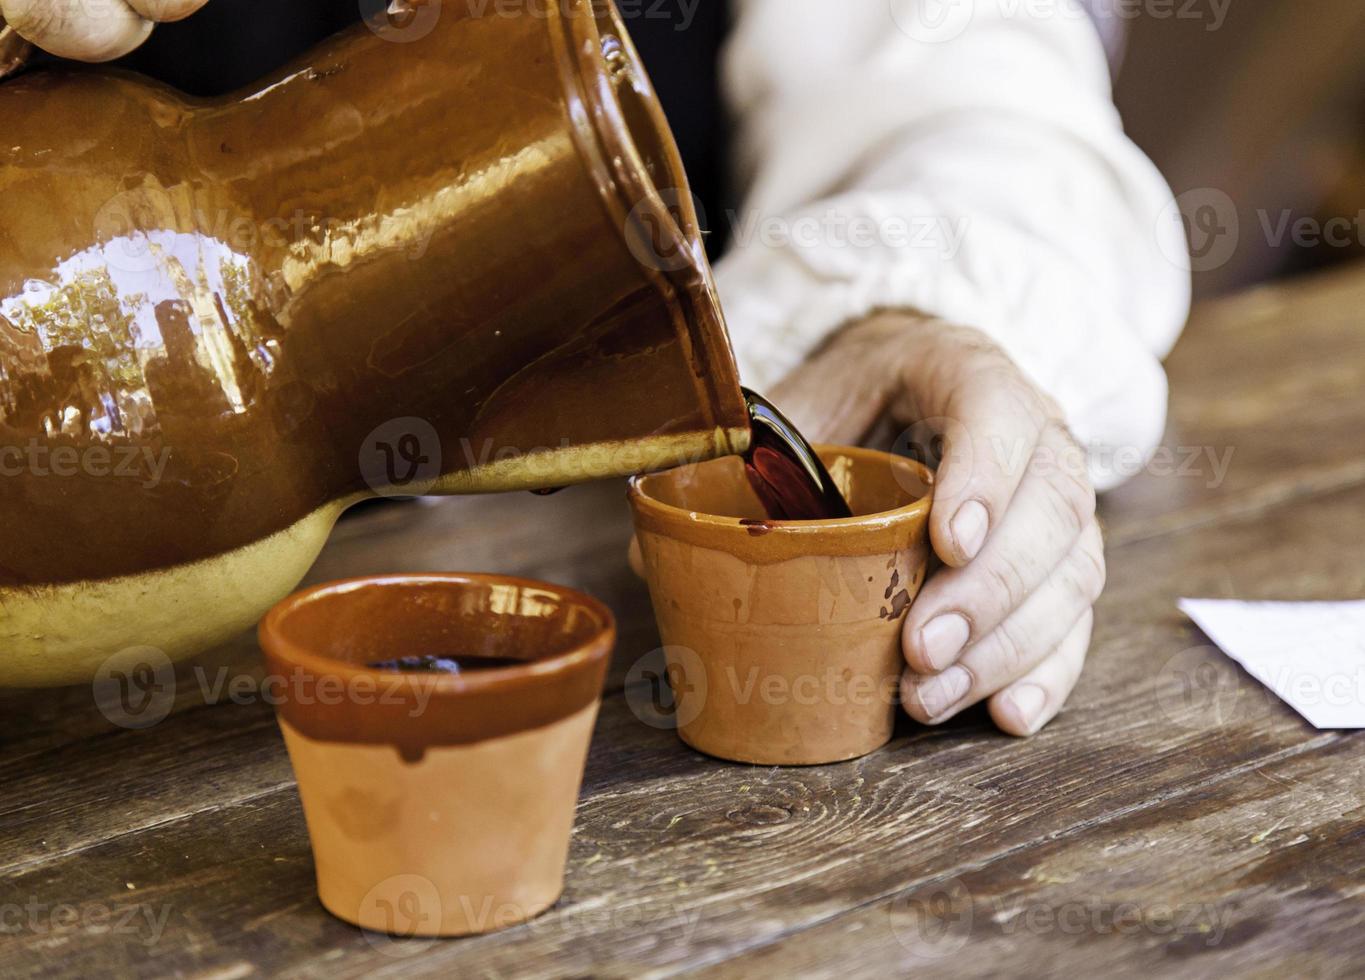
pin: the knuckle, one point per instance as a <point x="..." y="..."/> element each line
<point x="1080" y="638"/>
<point x="1097" y="569"/>
<point x="985" y="375"/>
<point x="1097" y="580"/>
<point x="35" y="21"/>
<point x="1030" y="397"/>
<point x="82" y="18"/>
<point x="1007" y="583"/>
<point x="1053" y="408"/>
<point x="968" y="339"/>
<point x="1012" y="649"/>
<point x="1021" y="393"/>
<point x="966" y="353"/>
<point x="1075" y="493"/>
<point x="1087" y="576"/>
<point x="1062" y="517"/>
<point x="910" y="699"/>
<point x="999" y="375"/>
<point x="1081" y="500"/>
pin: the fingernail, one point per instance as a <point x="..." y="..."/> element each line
<point x="1028" y="701"/>
<point x="943" y="638"/>
<point x="969" y="526"/>
<point x="938" y="694"/>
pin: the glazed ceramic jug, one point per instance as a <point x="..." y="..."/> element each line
<point x="451" y="256"/>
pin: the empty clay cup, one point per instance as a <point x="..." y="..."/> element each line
<point x="438" y="804"/>
<point x="783" y="638"/>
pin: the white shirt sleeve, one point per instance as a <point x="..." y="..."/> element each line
<point x="962" y="158"/>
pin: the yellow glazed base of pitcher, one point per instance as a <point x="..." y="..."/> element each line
<point x="54" y="635"/>
<point x="62" y="634"/>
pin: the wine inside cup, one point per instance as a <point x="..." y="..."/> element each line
<point x="786" y="473"/>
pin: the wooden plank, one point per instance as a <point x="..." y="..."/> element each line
<point x="675" y="853"/>
<point x="1265" y="408"/>
<point x="703" y="856"/>
<point x="1260" y="874"/>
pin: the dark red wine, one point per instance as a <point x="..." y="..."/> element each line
<point x="784" y="470"/>
<point x="436" y="664"/>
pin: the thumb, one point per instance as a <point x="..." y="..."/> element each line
<point x="980" y="419"/>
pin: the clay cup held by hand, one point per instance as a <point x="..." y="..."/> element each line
<point x="783" y="638"/>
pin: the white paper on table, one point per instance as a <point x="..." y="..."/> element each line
<point x="1311" y="654"/>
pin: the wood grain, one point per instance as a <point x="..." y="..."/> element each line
<point x="1265" y="409"/>
<point x="1237" y="878"/>
<point x="670" y="840"/>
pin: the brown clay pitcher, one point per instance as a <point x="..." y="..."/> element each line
<point x="451" y="259"/>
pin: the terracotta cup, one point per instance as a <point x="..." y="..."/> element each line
<point x="783" y="638"/>
<point x="438" y="804"/>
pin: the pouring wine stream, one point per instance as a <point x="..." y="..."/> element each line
<point x="785" y="471"/>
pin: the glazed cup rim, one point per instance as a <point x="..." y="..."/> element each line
<point x="680" y="516"/>
<point x="584" y="655"/>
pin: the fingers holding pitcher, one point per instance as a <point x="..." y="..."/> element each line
<point x="94" y="30"/>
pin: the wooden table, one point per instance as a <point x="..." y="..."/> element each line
<point x="1175" y="818"/>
